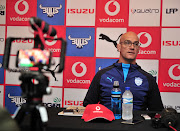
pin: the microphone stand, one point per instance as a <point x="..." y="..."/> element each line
<point x="33" y="106"/>
<point x="33" y="94"/>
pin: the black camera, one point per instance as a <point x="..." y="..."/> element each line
<point x="34" y="83"/>
<point x="168" y="117"/>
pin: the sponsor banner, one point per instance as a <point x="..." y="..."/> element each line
<point x="102" y="63"/>
<point x="1" y="71"/>
<point x="51" y="11"/>
<point x="145" y="14"/>
<point x="13" y="98"/>
<point x="54" y="99"/>
<point x="55" y="79"/>
<point x="150" y="66"/>
<point x="150" y="42"/>
<point x="78" y="72"/>
<point x="80" y="41"/>
<point x="13" y="72"/>
<point x="112" y="13"/>
<point x="3" y="12"/>
<point x="105" y="39"/>
<point x="19" y="11"/>
<point x="80" y="12"/>
<point x="170" y="70"/>
<point x="1" y="96"/>
<point x="55" y="45"/>
<point x="170" y="43"/>
<point x="74" y="97"/>
<point x="171" y="13"/>
<point x="2" y="39"/>
<point x="170" y="100"/>
<point x="20" y="31"/>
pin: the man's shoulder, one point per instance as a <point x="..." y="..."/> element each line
<point x="145" y="73"/>
<point x="103" y="70"/>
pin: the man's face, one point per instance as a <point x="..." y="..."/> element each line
<point x="129" y="51"/>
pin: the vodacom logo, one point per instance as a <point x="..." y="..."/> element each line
<point x="170" y="71"/>
<point x="115" y="3"/>
<point x="50" y="42"/>
<point x="146" y="35"/>
<point x="81" y="73"/>
<point x="98" y="108"/>
<point x="25" y="9"/>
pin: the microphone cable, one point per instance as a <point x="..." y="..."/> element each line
<point x="172" y="128"/>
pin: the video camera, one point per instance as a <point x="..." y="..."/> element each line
<point x="38" y="56"/>
<point x="34" y="83"/>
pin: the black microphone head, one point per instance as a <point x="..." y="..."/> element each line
<point x="38" y="22"/>
<point x="169" y="117"/>
<point x="34" y="20"/>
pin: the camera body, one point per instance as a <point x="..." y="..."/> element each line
<point x="34" y="58"/>
<point x="168" y="117"/>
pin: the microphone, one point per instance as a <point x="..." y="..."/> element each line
<point x="45" y="27"/>
<point x="169" y="117"/>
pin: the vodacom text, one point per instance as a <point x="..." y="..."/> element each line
<point x="172" y="84"/>
<point x="77" y="81"/>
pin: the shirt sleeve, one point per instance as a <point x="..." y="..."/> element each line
<point x="154" y="97"/>
<point x="93" y="93"/>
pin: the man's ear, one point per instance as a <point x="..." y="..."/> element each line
<point x="118" y="47"/>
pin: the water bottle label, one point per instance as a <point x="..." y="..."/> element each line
<point x="127" y="100"/>
<point x="115" y="95"/>
<point x="114" y="92"/>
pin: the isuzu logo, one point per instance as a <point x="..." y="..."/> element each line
<point x="171" y="43"/>
<point x="81" y="11"/>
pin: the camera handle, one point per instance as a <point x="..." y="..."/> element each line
<point x="33" y="94"/>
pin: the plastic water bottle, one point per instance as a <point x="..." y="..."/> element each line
<point x="116" y="100"/>
<point x="127" y="104"/>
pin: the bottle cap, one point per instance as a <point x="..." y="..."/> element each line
<point x="127" y="88"/>
<point x="116" y="83"/>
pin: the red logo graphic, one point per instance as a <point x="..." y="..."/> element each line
<point x="145" y="39"/>
<point x="170" y="76"/>
<point x="19" y="11"/>
<point x="78" y="72"/>
<point x="149" y="39"/>
<point x="112" y="13"/>
<point x="81" y="73"/>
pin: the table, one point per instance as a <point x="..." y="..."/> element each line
<point x="75" y="123"/>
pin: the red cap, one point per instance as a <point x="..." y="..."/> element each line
<point x="94" y="111"/>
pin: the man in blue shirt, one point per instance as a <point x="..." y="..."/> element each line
<point x="146" y="95"/>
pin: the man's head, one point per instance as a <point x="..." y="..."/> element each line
<point x="128" y="48"/>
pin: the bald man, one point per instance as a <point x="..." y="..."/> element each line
<point x="146" y="95"/>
